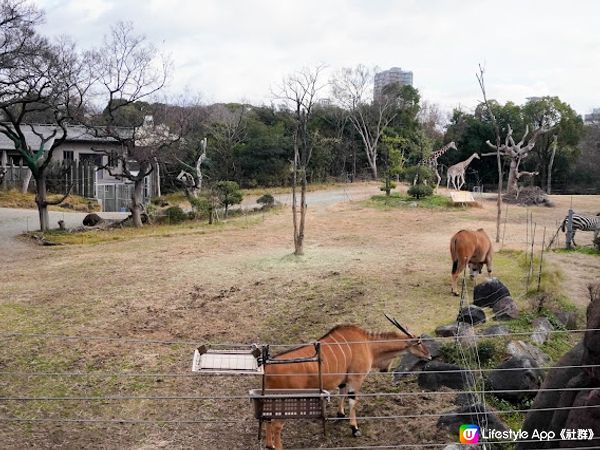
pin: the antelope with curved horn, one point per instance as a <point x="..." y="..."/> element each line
<point x="348" y="353"/>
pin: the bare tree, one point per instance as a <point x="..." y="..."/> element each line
<point x="192" y="181"/>
<point x="130" y="69"/>
<point x="38" y="77"/>
<point x="352" y="87"/>
<point x="480" y="79"/>
<point x="299" y="91"/>
<point x="227" y="128"/>
<point x="516" y="153"/>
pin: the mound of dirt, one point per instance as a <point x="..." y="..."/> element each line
<point x="529" y="196"/>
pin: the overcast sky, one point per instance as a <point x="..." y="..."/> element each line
<point x="237" y="50"/>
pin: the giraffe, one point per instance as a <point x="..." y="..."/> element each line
<point x="457" y="172"/>
<point x="432" y="163"/>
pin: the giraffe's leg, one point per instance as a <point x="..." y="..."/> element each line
<point x="439" y="179"/>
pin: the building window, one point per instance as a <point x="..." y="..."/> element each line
<point x="67" y="155"/>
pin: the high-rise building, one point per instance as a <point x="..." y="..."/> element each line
<point x="387" y="77"/>
<point x="594" y="117"/>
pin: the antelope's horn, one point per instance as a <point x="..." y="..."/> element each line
<point x="397" y="325"/>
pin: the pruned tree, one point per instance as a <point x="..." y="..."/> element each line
<point x="299" y="91"/>
<point x="38" y="77"/>
<point x="352" y="88"/>
<point x="130" y="69"/>
<point x="228" y="194"/>
<point x="516" y="152"/>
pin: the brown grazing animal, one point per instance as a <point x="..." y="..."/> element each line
<point x="348" y="353"/>
<point x="473" y="248"/>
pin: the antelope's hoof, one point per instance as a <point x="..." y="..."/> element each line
<point x="341" y="414"/>
<point x="356" y="432"/>
<point x="456" y="294"/>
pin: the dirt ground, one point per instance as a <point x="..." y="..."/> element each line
<point x="238" y="284"/>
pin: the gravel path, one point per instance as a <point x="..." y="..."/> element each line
<point x="16" y="221"/>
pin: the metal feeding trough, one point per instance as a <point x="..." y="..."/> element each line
<point x="232" y="361"/>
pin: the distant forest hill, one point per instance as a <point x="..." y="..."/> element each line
<point x="253" y="145"/>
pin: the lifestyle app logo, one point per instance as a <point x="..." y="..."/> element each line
<point x="468" y="434"/>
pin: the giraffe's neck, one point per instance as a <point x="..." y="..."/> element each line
<point x="434" y="157"/>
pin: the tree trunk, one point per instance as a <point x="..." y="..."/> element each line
<point x="550" y="165"/>
<point x="137" y="206"/>
<point x="41" y="201"/>
<point x="26" y="181"/>
<point x="226" y="209"/>
<point x="512" y="184"/>
<point x="299" y="248"/>
<point x="374" y="169"/>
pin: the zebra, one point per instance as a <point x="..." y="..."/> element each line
<point x="583" y="223"/>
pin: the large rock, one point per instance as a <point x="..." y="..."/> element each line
<point x="527" y="378"/>
<point x="495" y="330"/>
<point x="447" y="330"/>
<point x="91" y="220"/>
<point x="541" y="330"/>
<point x="438" y="374"/>
<point x="520" y="349"/>
<point x="475" y="413"/>
<point x="407" y="365"/>
<point x="505" y="309"/>
<point x="489" y="292"/>
<point x="583" y="384"/>
<point x="567" y="318"/>
<point x="471" y="314"/>
<point x="467" y="336"/>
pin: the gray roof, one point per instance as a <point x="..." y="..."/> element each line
<point x="75" y="133"/>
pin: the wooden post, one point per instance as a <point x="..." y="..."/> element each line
<point x="530" y="272"/>
<point x="569" y="236"/>
<point x="541" y="260"/>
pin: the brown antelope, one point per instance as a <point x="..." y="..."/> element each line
<point x="348" y="353"/>
<point x="473" y="248"/>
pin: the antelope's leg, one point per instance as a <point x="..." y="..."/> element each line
<point x="460" y="265"/>
<point x="353" y="386"/>
<point x="277" y="428"/>
<point x="269" y="435"/>
<point x="343" y="390"/>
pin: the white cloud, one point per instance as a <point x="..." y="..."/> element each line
<point x="238" y="49"/>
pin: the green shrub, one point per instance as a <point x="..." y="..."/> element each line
<point x="175" y="214"/>
<point x="266" y="200"/>
<point x="419" y="191"/>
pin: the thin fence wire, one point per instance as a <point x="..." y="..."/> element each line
<point x="329" y="419"/>
<point x="8" y="335"/>
<point x="291" y="374"/>
<point x="246" y="397"/>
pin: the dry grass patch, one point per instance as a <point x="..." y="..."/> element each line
<point x="16" y="199"/>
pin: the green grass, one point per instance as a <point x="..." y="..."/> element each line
<point x="583" y="250"/>
<point x="396" y="200"/>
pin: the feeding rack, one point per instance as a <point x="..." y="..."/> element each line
<point x="227" y="361"/>
<point x="461" y="197"/>
<point x="289" y="404"/>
